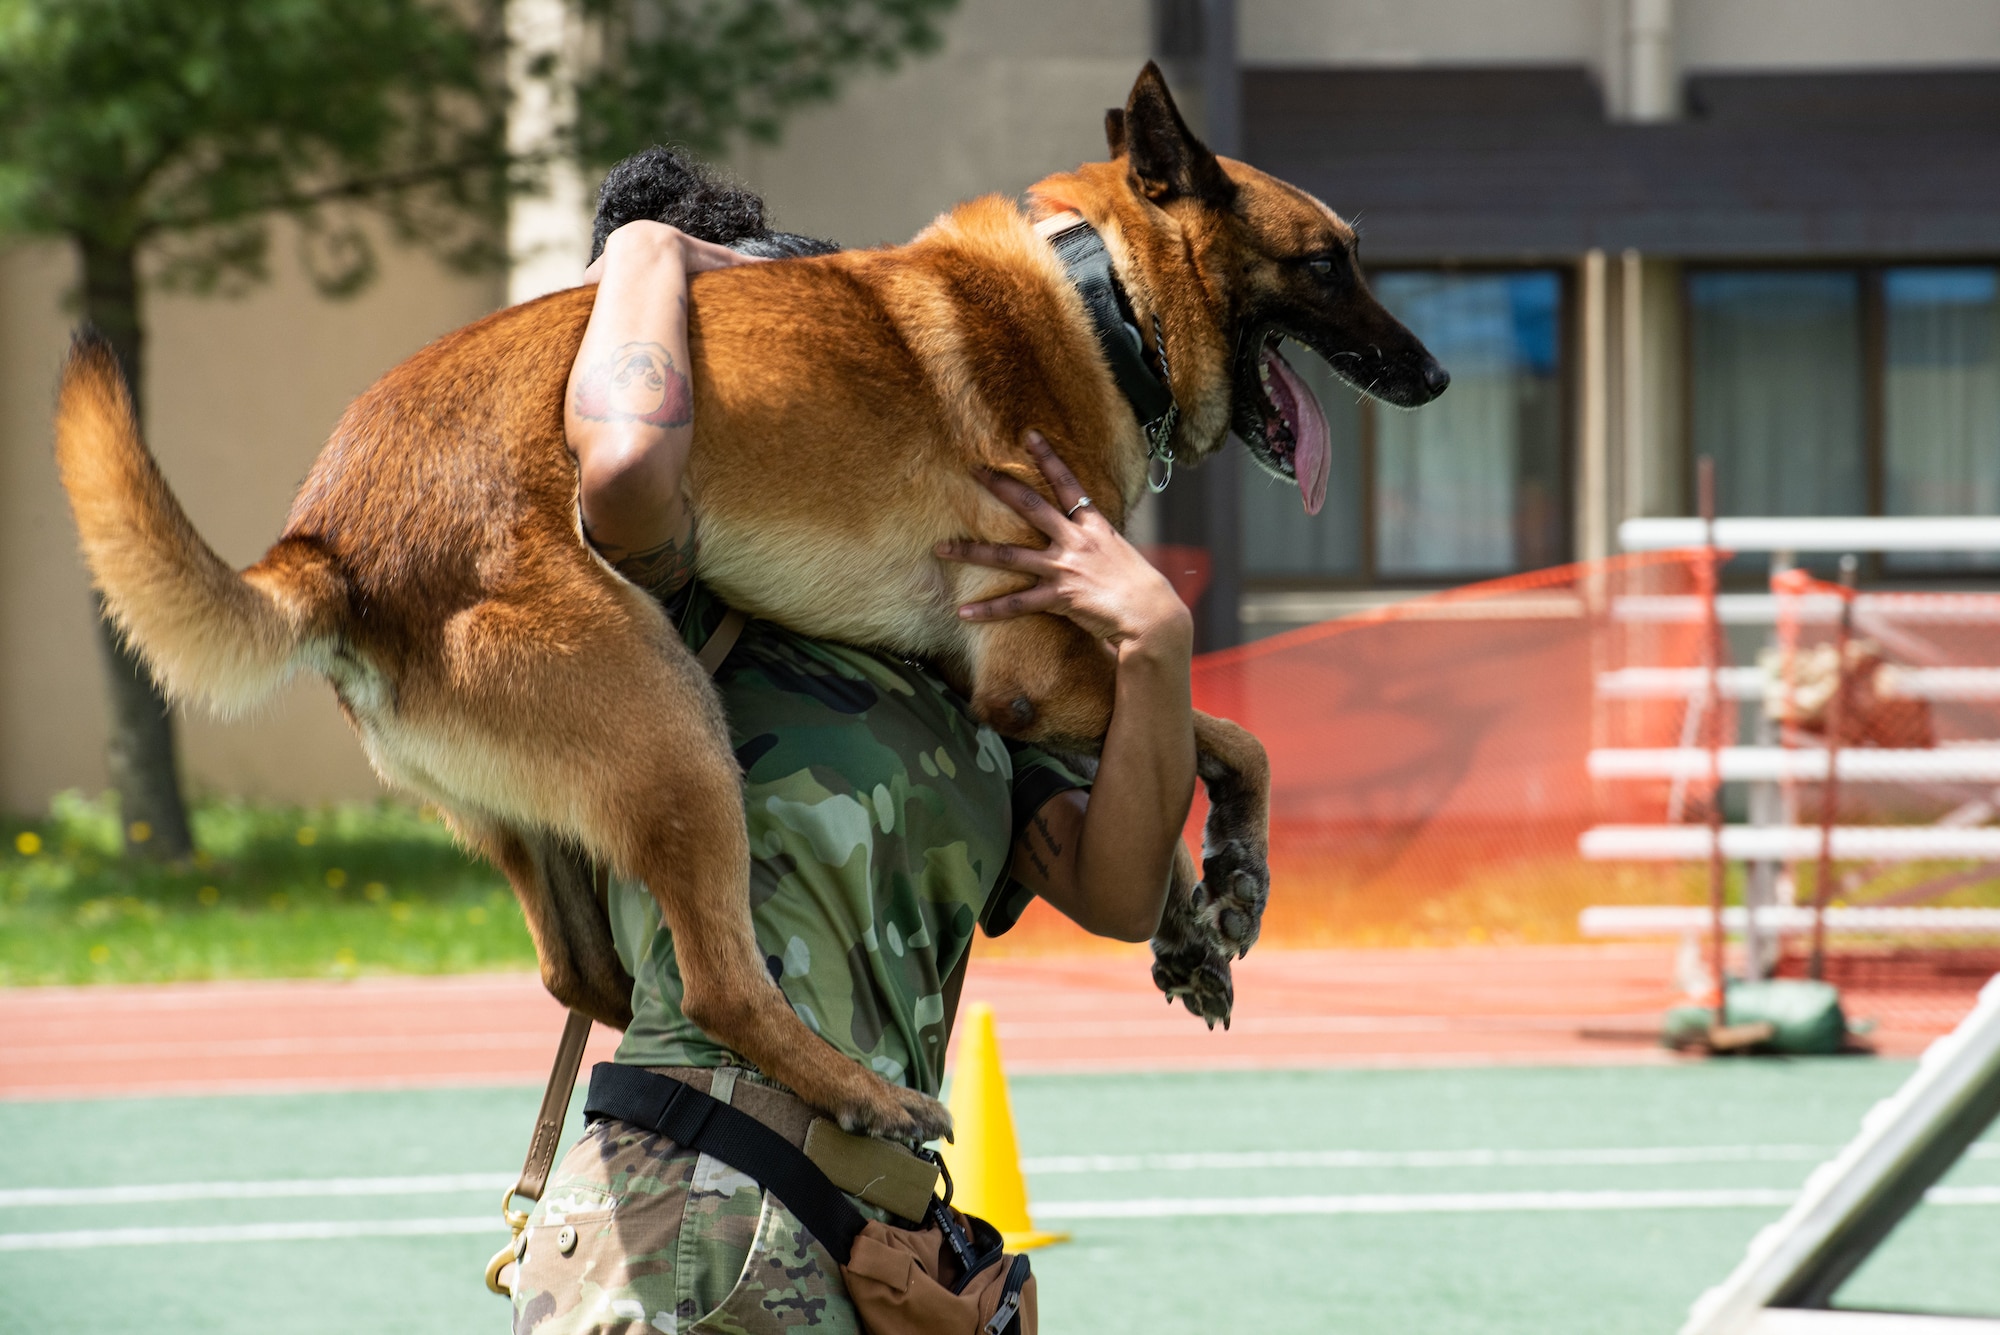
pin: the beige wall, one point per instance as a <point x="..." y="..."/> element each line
<point x="1420" y="32"/>
<point x="1710" y="35"/>
<point x="1790" y="34"/>
<point x="241" y="394"/>
<point x="1018" y="92"/>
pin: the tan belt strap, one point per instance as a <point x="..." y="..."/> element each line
<point x="719" y="644"/>
<point x="547" y="1139"/>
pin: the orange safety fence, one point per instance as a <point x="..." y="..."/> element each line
<point x="1430" y="759"/>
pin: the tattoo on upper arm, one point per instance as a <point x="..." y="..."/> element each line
<point x="660" y="571"/>
<point x="1040" y="838"/>
<point x="635" y="382"/>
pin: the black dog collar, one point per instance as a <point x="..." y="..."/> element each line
<point x="1150" y="394"/>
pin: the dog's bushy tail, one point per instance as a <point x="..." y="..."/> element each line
<point x="664" y="184"/>
<point x="207" y="632"/>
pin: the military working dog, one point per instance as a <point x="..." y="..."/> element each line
<point x="433" y="567"/>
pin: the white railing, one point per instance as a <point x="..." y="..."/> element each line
<point x="1771" y="764"/>
<point x="1927" y="533"/>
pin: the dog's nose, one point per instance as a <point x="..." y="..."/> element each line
<point x="1436" y="378"/>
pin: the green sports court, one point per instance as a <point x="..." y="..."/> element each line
<point x="1490" y="1199"/>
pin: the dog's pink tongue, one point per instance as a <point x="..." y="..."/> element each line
<point x="1312" y="457"/>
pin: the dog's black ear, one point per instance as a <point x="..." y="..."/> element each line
<point x="1114" y="130"/>
<point x="1166" y="158"/>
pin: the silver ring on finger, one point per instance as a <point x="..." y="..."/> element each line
<point x="1081" y="501"/>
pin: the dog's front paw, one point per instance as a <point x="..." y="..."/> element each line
<point x="893" y="1112"/>
<point x="1196" y="975"/>
<point x="1229" y="903"/>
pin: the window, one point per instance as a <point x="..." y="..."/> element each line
<point x="1467" y="487"/>
<point x="1851" y="392"/>
<point x="1778" y="390"/>
<point x="1941" y="401"/>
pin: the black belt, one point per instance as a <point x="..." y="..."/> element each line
<point x="697" y="1121"/>
<point x="688" y="1117"/>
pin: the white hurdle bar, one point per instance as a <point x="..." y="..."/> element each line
<point x="1761" y="609"/>
<point x="1789" y="843"/>
<point x="1789" y="919"/>
<point x="1906" y="533"/>
<point x="1749" y="683"/>
<point x="1767" y="764"/>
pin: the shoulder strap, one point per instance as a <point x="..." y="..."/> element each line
<point x="718" y="645"/>
<point x="547" y="1137"/>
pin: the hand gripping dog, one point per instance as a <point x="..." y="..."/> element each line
<point x="433" y="568"/>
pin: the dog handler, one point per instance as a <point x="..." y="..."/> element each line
<point x="884" y="823"/>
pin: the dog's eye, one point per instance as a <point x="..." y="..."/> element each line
<point x="1321" y="268"/>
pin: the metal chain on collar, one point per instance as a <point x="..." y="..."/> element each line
<point x="1160" y="431"/>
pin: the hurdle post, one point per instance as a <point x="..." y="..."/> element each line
<point x="1711" y="653"/>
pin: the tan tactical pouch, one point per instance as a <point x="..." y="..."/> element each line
<point x="907" y="1282"/>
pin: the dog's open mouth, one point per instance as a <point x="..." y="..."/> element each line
<point x="1296" y="438"/>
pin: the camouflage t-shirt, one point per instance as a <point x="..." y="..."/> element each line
<point x="882" y="819"/>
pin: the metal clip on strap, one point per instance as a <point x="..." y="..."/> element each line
<point x="542" y="1145"/>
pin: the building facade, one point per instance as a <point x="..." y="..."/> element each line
<point x="1640" y="232"/>
<point x="1636" y="231"/>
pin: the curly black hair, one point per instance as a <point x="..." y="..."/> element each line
<point x="667" y="185"/>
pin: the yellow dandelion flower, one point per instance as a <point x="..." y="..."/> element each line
<point x="27" y="843"/>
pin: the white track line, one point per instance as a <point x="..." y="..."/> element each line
<point x="1491" y="1202"/>
<point x="1038" y="1165"/>
<point x="1470" y="1158"/>
<point x="282" y="1188"/>
<point x="1462" y="1202"/>
<point x="213" y="1234"/>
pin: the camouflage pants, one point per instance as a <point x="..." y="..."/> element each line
<point x="636" y="1234"/>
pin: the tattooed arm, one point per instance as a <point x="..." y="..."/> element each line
<point x="629" y="413"/>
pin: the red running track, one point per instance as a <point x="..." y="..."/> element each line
<point x="1534" y="1005"/>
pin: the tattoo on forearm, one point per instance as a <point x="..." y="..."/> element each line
<point x="636" y="382"/>
<point x="661" y="570"/>
<point x="1035" y="858"/>
<point x="1048" y="836"/>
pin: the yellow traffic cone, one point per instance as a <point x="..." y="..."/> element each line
<point x="984" y="1160"/>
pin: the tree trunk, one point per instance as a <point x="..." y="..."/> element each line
<point x="141" y="752"/>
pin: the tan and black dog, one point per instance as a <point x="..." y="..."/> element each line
<point x="434" y="571"/>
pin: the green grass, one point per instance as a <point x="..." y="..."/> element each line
<point x="275" y="892"/>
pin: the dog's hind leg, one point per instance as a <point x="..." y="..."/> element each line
<point x="601" y="728"/>
<point x="555" y="883"/>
